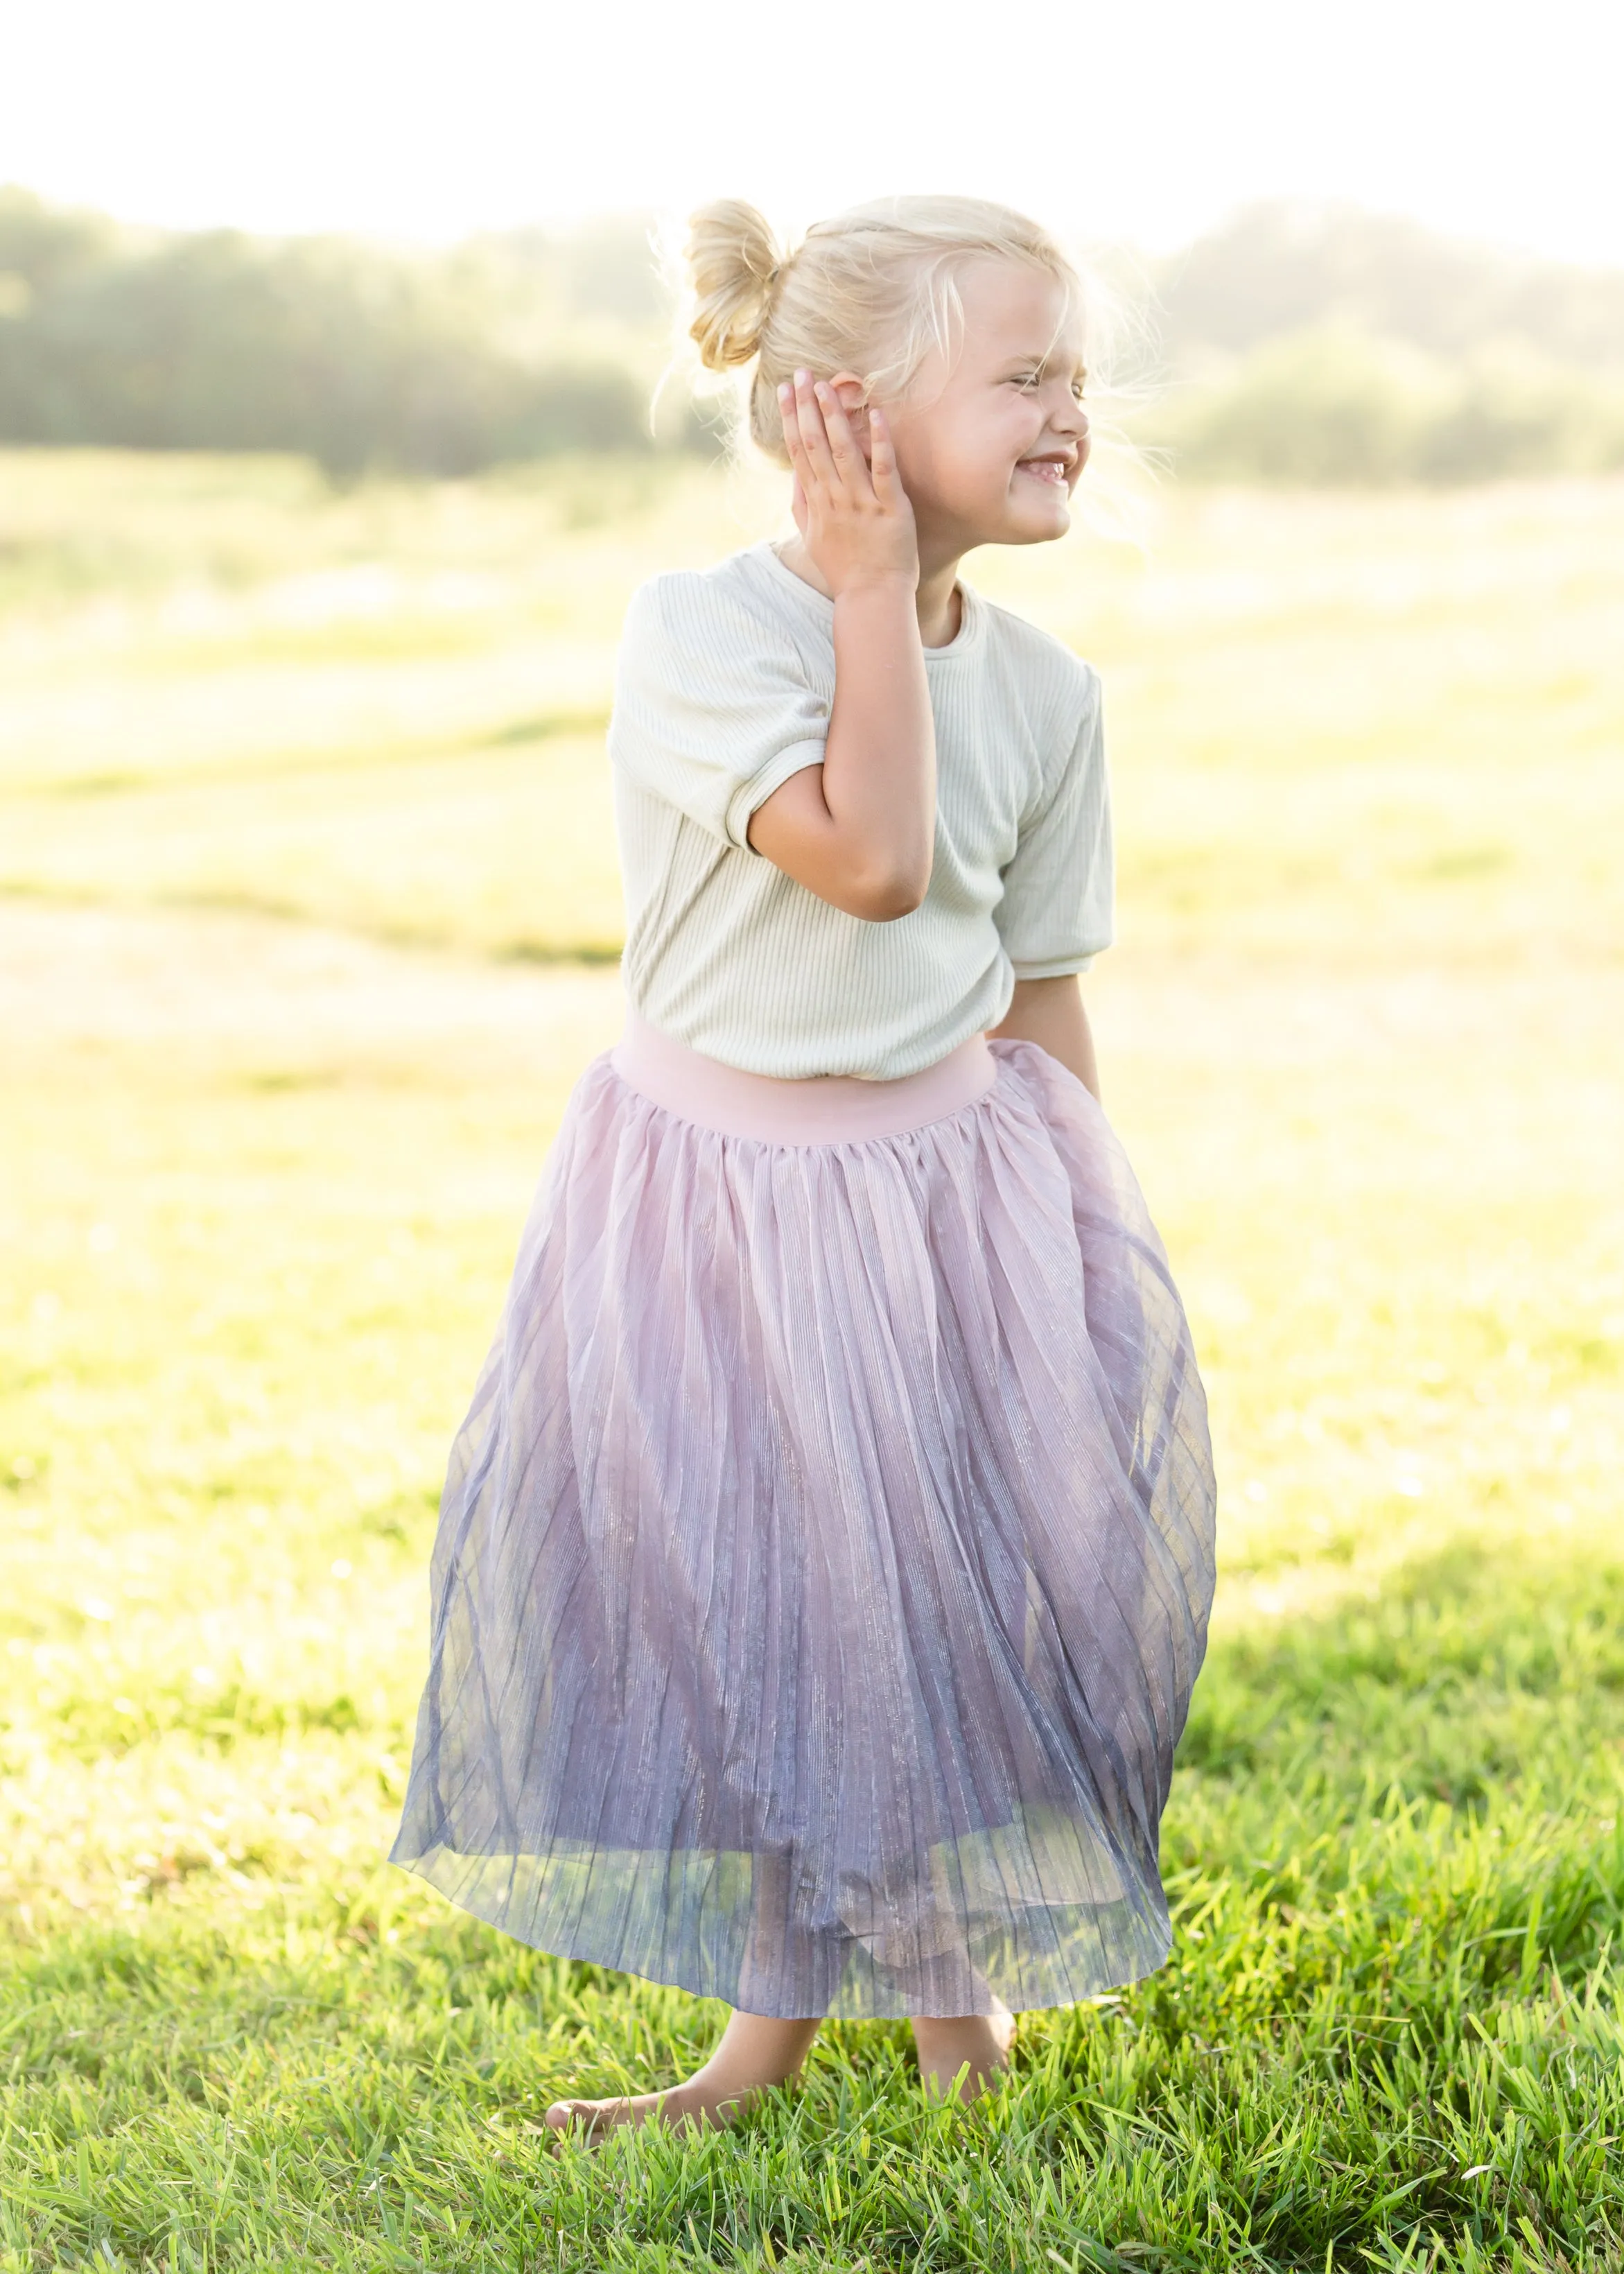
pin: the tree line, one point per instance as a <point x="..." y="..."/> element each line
<point x="1311" y="343"/>
<point x="353" y="354"/>
<point x="1296" y="343"/>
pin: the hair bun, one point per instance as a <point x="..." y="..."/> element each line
<point x="734" y="263"/>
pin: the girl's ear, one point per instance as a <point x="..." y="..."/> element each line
<point x="849" y="388"/>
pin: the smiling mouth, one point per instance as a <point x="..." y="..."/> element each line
<point x="1052" y="471"/>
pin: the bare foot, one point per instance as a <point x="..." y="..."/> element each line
<point x="755" y="2052"/>
<point x="589" y="2119"/>
<point x="946" y="2043"/>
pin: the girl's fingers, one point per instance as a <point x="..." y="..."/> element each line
<point x="848" y="459"/>
<point x="792" y="435"/>
<point x="882" y="458"/>
<point x="796" y="435"/>
<point x="813" y="440"/>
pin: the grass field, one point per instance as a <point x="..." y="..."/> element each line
<point x="307" y="919"/>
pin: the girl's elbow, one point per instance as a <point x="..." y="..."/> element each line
<point x="885" y="896"/>
<point x="902" y="902"/>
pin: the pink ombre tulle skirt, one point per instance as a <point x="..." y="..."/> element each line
<point x="825" y="1559"/>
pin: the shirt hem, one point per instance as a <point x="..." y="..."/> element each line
<point x="755" y="792"/>
<point x="1060" y="968"/>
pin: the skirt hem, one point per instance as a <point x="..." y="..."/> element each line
<point x="615" y="1961"/>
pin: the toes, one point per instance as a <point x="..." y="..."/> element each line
<point x="590" y="2119"/>
<point x="583" y="2118"/>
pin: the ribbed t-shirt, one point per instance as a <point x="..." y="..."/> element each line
<point x="723" y="689"/>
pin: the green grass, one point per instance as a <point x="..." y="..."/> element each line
<point x="303" y="865"/>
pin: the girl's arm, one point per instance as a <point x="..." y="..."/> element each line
<point x="1049" y="1012"/>
<point x="859" y="831"/>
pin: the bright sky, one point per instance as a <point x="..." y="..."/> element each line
<point x="1144" y="121"/>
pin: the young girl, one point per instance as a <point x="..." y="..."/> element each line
<point x="826" y="1560"/>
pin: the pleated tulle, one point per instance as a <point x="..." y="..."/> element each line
<point x="824" y="1563"/>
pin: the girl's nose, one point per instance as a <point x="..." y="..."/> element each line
<point x="1070" y="416"/>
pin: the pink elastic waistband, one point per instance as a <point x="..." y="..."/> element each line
<point x="825" y="1109"/>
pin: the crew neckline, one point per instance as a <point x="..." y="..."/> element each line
<point x="971" y="612"/>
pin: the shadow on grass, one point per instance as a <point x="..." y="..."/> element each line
<point x="1387" y="2036"/>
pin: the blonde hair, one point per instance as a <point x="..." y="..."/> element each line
<point x="874" y="291"/>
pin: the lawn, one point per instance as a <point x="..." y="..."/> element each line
<point x="308" y="914"/>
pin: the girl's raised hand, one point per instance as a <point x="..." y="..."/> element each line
<point x="854" y="515"/>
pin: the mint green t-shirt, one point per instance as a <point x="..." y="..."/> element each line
<point x="723" y="689"/>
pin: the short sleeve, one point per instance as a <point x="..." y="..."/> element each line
<point x="713" y="712"/>
<point x="1059" y="889"/>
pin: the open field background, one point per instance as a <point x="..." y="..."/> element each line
<point x="308" y="913"/>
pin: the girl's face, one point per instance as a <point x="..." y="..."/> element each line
<point x="991" y="449"/>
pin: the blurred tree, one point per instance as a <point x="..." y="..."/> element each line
<point x="1283" y="265"/>
<point x="352" y="354"/>
<point x="1331" y="405"/>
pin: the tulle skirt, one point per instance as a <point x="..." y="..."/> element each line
<point x="825" y="1559"/>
